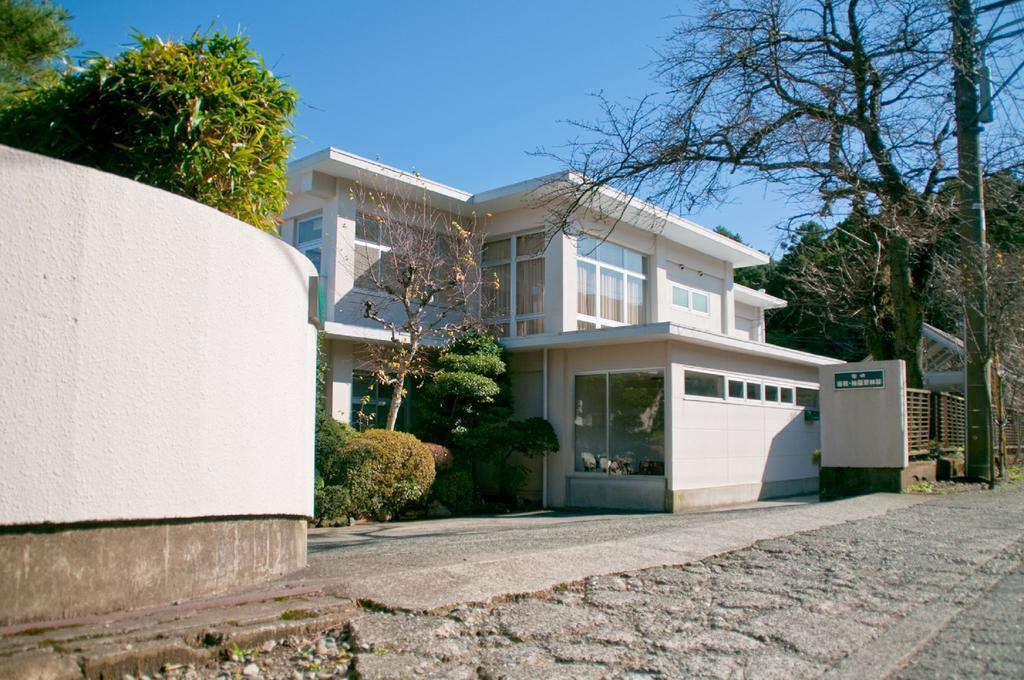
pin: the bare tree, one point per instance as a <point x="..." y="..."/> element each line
<point x="423" y="279"/>
<point x="841" y="104"/>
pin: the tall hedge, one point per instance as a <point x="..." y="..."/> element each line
<point x="203" y="118"/>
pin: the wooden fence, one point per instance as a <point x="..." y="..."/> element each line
<point x="918" y="421"/>
<point x="949" y="423"/>
<point x="935" y="420"/>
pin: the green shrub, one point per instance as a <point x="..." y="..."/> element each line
<point x="496" y="439"/>
<point x="454" y="488"/>
<point x="202" y="118"/>
<point x="384" y="471"/>
<point x="332" y="504"/>
<point x="330" y="438"/>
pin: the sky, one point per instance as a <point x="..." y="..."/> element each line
<point x="463" y="92"/>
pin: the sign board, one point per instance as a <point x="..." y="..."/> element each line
<point x="854" y="380"/>
<point x="812" y="415"/>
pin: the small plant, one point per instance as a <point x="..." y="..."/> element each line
<point x="236" y="653"/>
<point x="297" y="614"/>
<point x="816" y="457"/>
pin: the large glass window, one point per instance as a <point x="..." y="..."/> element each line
<point x="309" y="238"/>
<point x="620" y="423"/>
<point x="524" y="255"/>
<point x="611" y="284"/>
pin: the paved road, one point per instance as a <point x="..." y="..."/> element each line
<point x="474" y="560"/>
<point x="933" y="590"/>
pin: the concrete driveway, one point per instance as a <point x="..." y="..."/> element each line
<point x="440" y="563"/>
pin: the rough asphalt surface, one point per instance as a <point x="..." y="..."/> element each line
<point x="934" y="590"/>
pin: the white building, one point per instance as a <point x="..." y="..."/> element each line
<point x="634" y="341"/>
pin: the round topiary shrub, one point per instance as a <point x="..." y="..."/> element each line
<point x="385" y="471"/>
<point x="454" y="489"/>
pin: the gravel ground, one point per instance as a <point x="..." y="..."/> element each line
<point x="790" y="607"/>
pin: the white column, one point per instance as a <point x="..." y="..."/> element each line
<point x="660" y="288"/>
<point x="339" y="250"/>
<point x="560" y="285"/>
<point x="339" y="388"/>
<point x="728" y="302"/>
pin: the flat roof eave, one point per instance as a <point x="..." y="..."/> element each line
<point x="665" y="331"/>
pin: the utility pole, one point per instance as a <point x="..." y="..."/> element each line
<point x="972" y="243"/>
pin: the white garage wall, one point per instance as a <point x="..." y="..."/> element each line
<point x="156" y="357"/>
<point x="728" y="443"/>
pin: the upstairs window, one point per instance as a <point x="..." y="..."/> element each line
<point x="610" y="285"/>
<point x="690" y="299"/>
<point x="514" y="305"/>
<point x="369" y="251"/>
<point x="309" y="238"/>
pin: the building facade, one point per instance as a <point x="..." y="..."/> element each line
<point x="626" y="331"/>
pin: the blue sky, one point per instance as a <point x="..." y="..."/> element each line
<point x="460" y="91"/>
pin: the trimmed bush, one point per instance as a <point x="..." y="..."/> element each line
<point x="384" y="471"/>
<point x="454" y="489"/>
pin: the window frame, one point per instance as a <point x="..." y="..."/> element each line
<point x="303" y="246"/>
<point x="513" y="259"/>
<point x="744" y="381"/>
<point x="690" y="290"/>
<point x="373" y="245"/>
<point x="607" y="401"/>
<point x="697" y="397"/>
<point x="592" y="259"/>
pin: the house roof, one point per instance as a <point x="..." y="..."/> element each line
<point x="757" y="298"/>
<point x="666" y="331"/>
<point x="631" y="210"/>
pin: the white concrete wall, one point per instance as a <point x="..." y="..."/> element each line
<point x="157" y="361"/>
<point x="722" y="442"/>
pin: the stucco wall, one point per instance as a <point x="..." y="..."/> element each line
<point x="157" y="361"/>
<point x="722" y="442"/>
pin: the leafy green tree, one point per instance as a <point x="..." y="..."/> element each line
<point x="32" y="36"/>
<point x="203" y="118"/>
<point x="468" y="407"/>
<point x="471" y="381"/>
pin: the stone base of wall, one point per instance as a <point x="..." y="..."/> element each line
<point x="681" y="500"/>
<point x="61" y="571"/>
<point x="614" y="492"/>
<point x="842" y="482"/>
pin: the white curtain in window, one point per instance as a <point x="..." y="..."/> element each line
<point x="611" y="295"/>
<point x="634" y="300"/>
<point x="496" y="291"/>
<point x="586" y="283"/>
<point x="530" y="286"/>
